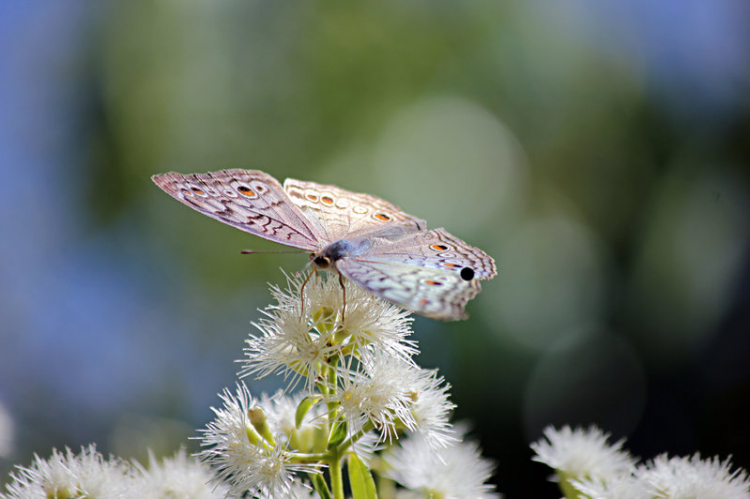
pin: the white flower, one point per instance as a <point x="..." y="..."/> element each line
<point x="457" y="471"/>
<point x="289" y="344"/>
<point x="298" y="490"/>
<point x="688" y="478"/>
<point x="379" y="394"/>
<point x="87" y="474"/>
<point x="624" y="486"/>
<point x="244" y="459"/>
<point x="431" y="408"/>
<point x="299" y="341"/>
<point x="582" y="453"/>
<point x="177" y="477"/>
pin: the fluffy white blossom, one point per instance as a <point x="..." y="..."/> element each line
<point x="624" y="486"/>
<point x="457" y="471"/>
<point x="431" y="408"/>
<point x="298" y="341"/>
<point x="86" y="474"/>
<point x="242" y="457"/>
<point x="582" y="453"/>
<point x="180" y="476"/>
<point x="693" y="477"/>
<point x="378" y="394"/>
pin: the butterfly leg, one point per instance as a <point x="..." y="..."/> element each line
<point x="343" y="292"/>
<point x="302" y="292"/>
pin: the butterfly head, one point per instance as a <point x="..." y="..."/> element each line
<point x="328" y="256"/>
<point x="320" y="261"/>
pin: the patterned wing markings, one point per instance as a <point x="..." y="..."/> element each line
<point x="338" y="212"/>
<point x="439" y="250"/>
<point x="436" y="293"/>
<point x="249" y="200"/>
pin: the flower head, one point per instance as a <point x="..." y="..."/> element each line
<point x="456" y="471"/>
<point x="298" y="341"/>
<point x="67" y="474"/>
<point x="582" y="453"/>
<point x="691" y="477"/>
<point x="179" y="476"/>
<point x="243" y="450"/>
<point x="377" y="393"/>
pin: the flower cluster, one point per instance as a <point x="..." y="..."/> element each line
<point x="587" y="466"/>
<point x="362" y="393"/>
<point x="89" y="474"/>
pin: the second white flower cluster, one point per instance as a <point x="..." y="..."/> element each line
<point x="587" y="466"/>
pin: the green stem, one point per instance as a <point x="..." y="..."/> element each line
<point x="337" y="479"/>
<point x="344" y="446"/>
<point x="302" y="458"/>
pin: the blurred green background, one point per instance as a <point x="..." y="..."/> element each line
<point x="598" y="150"/>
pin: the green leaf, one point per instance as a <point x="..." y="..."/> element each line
<point x="320" y="485"/>
<point x="303" y="407"/>
<point x="337" y="435"/>
<point x="360" y="479"/>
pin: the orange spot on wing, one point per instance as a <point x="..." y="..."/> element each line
<point x="327" y="200"/>
<point x="197" y="191"/>
<point x="247" y="191"/>
<point x="312" y="197"/>
<point x="439" y="247"/>
<point x="383" y="217"/>
<point x="434" y="283"/>
<point x="451" y="265"/>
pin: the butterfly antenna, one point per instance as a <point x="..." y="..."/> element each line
<point x="254" y="252"/>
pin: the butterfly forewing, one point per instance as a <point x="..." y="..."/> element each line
<point x="339" y="212"/>
<point x="252" y="201"/>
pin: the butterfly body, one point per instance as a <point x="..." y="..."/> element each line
<point x="363" y="238"/>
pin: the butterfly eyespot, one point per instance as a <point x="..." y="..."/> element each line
<point x="467" y="273"/>
<point x="326" y="200"/>
<point x="359" y="210"/>
<point x="433" y="283"/>
<point x="383" y="217"/>
<point x="451" y="265"/>
<point x="198" y="191"/>
<point x="439" y="247"/>
<point x="247" y="192"/>
<point x="312" y="197"/>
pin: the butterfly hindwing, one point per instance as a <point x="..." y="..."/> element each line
<point x="436" y="293"/>
<point x="249" y="200"/>
<point x="440" y="250"/>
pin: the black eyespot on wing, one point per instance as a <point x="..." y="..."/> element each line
<point x="467" y="273"/>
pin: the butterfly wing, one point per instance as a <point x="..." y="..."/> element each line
<point x="437" y="249"/>
<point x="249" y="200"/>
<point x="431" y="272"/>
<point x="337" y="212"/>
<point x="436" y="293"/>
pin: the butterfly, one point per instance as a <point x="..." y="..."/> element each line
<point x="363" y="238"/>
